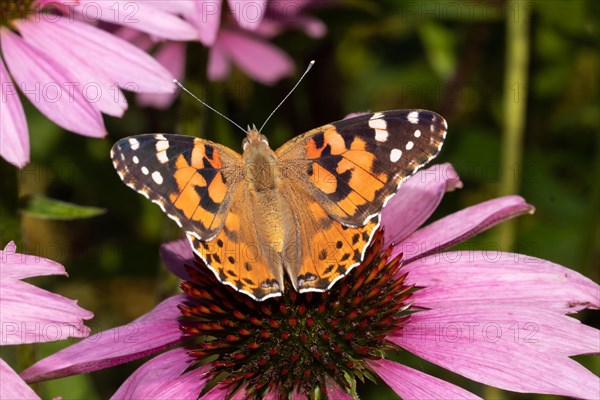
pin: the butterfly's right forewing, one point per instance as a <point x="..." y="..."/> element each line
<point x="191" y="179"/>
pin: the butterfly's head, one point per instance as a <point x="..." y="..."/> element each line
<point x="254" y="136"/>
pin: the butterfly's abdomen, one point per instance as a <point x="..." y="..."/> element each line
<point x="264" y="188"/>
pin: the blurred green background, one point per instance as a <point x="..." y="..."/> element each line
<point x="447" y="56"/>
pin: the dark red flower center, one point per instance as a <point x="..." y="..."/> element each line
<point x="297" y="342"/>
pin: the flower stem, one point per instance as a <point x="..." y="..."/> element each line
<point x="515" y="102"/>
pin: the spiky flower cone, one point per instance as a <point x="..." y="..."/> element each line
<point x="297" y="342"/>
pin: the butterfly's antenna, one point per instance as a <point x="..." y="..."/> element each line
<point x="209" y="107"/>
<point x="288" y="95"/>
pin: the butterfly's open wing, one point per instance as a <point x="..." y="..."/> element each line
<point x="321" y="250"/>
<point x="351" y="167"/>
<point x="191" y="179"/>
<point x="237" y="256"/>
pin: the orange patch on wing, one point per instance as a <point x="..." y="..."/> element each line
<point x="335" y="141"/>
<point x="203" y="216"/>
<point x="232" y="222"/>
<point x="365" y="184"/>
<point x="187" y="201"/>
<point x="312" y="150"/>
<point x="323" y="179"/>
<point x="217" y="189"/>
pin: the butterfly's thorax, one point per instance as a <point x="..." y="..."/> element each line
<point x="264" y="181"/>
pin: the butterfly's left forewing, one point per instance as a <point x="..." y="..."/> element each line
<point x="191" y="179"/>
<point x="352" y="167"/>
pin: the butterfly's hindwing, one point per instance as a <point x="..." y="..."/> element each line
<point x="324" y="250"/>
<point x="354" y="165"/>
<point x="189" y="178"/>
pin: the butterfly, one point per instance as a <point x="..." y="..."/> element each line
<point x="307" y="210"/>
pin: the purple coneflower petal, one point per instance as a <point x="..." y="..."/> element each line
<point x="164" y="377"/>
<point x="218" y="67"/>
<point x="336" y="392"/>
<point x="176" y="255"/>
<point x="50" y="87"/>
<point x="499" y="347"/>
<point x="409" y="383"/>
<point x="207" y="20"/>
<point x="175" y="6"/>
<point x="262" y="61"/>
<point x="152" y="332"/>
<point x="248" y="14"/>
<point x="465" y="278"/>
<point x="30" y="314"/>
<point x="219" y="392"/>
<point x="14" y="266"/>
<point x="119" y="61"/>
<point x="172" y="56"/>
<point x="95" y="86"/>
<point x="458" y="227"/>
<point x="416" y="200"/>
<point x="14" y="136"/>
<point x="12" y="386"/>
<point x="528" y="328"/>
<point x="139" y="15"/>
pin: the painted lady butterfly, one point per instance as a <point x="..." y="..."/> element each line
<point x="308" y="209"/>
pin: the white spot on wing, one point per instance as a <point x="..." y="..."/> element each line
<point x="157" y="177"/>
<point x="395" y="155"/>
<point x="417" y="133"/>
<point x="162" y="145"/>
<point x="136" y="160"/>
<point x="377" y="115"/>
<point x="162" y="157"/>
<point x="134" y="143"/>
<point x="160" y="136"/>
<point x="145" y="171"/>
<point x="413" y="117"/>
<point x="381" y="135"/>
<point x="409" y="145"/>
<point x="377" y="124"/>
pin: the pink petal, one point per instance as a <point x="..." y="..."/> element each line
<point x="416" y="200"/>
<point x="518" y="350"/>
<point x="248" y="14"/>
<point x="218" y="67"/>
<point x="164" y="377"/>
<point x="219" y="392"/>
<point x="12" y="386"/>
<point x="110" y="56"/>
<point x="336" y="392"/>
<point x="172" y="56"/>
<point x="31" y="314"/>
<point x="174" y="6"/>
<point x="15" y="266"/>
<point x="137" y="15"/>
<point x="14" y="136"/>
<point x="207" y="20"/>
<point x="412" y="384"/>
<point x="260" y="60"/>
<point x="526" y="328"/>
<point x="50" y="87"/>
<point x="461" y="225"/>
<point x="465" y="278"/>
<point x="176" y="255"/>
<point x="152" y="332"/>
<point x="96" y="87"/>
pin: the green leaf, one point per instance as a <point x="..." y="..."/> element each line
<point x="43" y="207"/>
